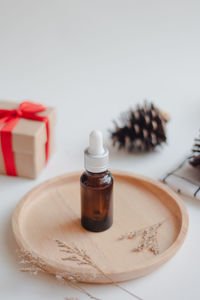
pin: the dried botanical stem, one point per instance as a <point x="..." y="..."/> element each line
<point x="87" y="293"/>
<point x="78" y="287"/>
<point x="82" y="258"/>
<point x="34" y="265"/>
<point x="72" y="280"/>
<point x="118" y="285"/>
<point x="133" y="234"/>
<point x="148" y="240"/>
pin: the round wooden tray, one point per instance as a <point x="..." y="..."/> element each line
<point x="51" y="212"/>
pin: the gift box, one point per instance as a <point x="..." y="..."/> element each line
<point x="26" y="138"/>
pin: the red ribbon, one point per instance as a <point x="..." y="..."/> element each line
<point x="26" y="110"/>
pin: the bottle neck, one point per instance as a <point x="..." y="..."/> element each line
<point x="96" y="163"/>
<point x="96" y="174"/>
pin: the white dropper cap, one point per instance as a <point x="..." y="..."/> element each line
<point x="96" y="156"/>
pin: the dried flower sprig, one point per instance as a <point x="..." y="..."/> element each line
<point x="75" y="254"/>
<point x="81" y="257"/>
<point x="31" y="263"/>
<point x="148" y="239"/>
<point x="34" y="265"/>
<point x="73" y="280"/>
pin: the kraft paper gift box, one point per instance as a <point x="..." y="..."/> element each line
<point x="29" y="138"/>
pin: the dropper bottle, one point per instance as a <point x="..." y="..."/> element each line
<point x="96" y="186"/>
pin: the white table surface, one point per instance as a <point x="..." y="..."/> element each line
<point x="93" y="59"/>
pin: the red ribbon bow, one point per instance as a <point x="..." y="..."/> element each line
<point x="26" y="110"/>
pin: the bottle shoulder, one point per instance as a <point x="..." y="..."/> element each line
<point x="96" y="179"/>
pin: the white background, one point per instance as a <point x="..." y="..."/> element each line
<point x="92" y="60"/>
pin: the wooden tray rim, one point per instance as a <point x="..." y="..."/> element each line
<point x="54" y="267"/>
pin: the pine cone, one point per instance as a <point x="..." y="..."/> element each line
<point x="142" y="129"/>
<point x="195" y="158"/>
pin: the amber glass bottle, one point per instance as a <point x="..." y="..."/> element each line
<point x="96" y="200"/>
<point x="96" y="187"/>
